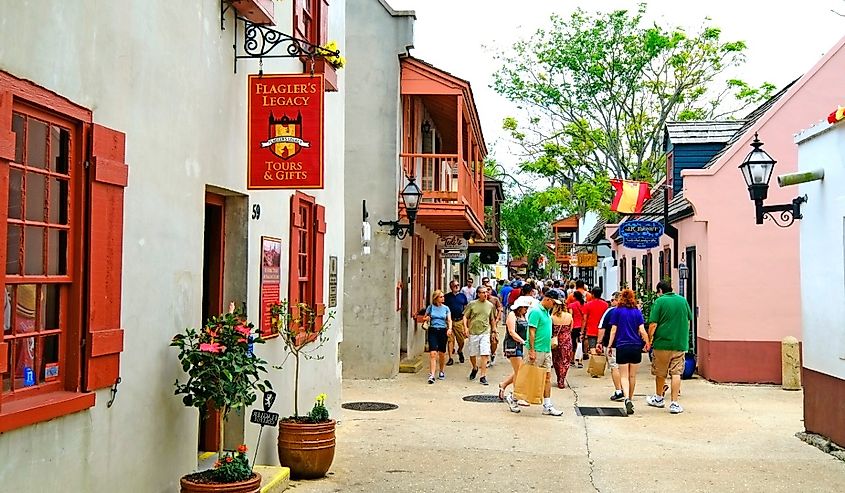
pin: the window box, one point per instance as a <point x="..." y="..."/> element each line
<point x="255" y="11"/>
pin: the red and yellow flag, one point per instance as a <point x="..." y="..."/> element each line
<point x="837" y="115"/>
<point x="630" y="196"/>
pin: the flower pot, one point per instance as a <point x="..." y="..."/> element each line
<point x="252" y="485"/>
<point x="307" y="449"/>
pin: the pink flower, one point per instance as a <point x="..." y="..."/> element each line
<point x="241" y="340"/>
<point x="243" y="330"/>
<point x="212" y="348"/>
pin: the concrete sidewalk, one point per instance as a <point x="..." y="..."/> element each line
<point x="730" y="438"/>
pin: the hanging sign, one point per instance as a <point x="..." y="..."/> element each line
<point x="332" y="282"/>
<point x="452" y="243"/>
<point x="641" y="235"/>
<point x="459" y="255"/>
<point x="587" y="259"/>
<point x="285" y="131"/>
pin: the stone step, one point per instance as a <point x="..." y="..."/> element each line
<point x="411" y="365"/>
<point x="274" y="479"/>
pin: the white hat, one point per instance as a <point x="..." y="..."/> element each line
<point x="520" y="302"/>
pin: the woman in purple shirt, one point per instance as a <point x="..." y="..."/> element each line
<point x="628" y="339"/>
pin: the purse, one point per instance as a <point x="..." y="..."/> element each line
<point x="555" y="340"/>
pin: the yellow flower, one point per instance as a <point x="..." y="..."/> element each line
<point x="321" y="398"/>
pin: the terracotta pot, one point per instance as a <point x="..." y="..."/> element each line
<point x="252" y="485"/>
<point x="307" y="449"/>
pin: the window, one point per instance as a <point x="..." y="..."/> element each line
<point x="648" y="266"/>
<point x="64" y="177"/>
<point x="623" y="273"/>
<point x="418" y="275"/>
<point x="661" y="265"/>
<point x="634" y="273"/>
<point x="307" y="243"/>
<point x="666" y="263"/>
<point x="311" y="23"/>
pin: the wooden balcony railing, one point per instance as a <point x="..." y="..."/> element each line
<point x="443" y="178"/>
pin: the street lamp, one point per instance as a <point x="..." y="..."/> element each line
<point x="411" y="196"/>
<point x="757" y="170"/>
<point x="683" y="271"/>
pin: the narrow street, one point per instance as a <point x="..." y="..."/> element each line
<point x="730" y="438"/>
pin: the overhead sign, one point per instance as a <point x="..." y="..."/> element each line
<point x="285" y="131"/>
<point x="452" y="243"/>
<point x="641" y="235"/>
<point x="459" y="255"/>
<point x="587" y="259"/>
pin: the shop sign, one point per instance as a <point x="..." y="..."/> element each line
<point x="459" y="255"/>
<point x="271" y="260"/>
<point x="285" y="131"/>
<point x="332" y="282"/>
<point x="587" y="259"/>
<point x="453" y="242"/>
<point x="641" y="235"/>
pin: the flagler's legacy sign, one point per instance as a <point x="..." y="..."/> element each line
<point x="285" y="131"/>
<point x="641" y="235"/>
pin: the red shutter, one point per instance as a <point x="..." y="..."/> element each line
<point x="323" y="19"/>
<point x="108" y="177"/>
<point x="293" y="273"/>
<point x="298" y="21"/>
<point x="7" y="153"/>
<point x="319" y="261"/>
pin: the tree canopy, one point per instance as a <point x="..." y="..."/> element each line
<point x="596" y="90"/>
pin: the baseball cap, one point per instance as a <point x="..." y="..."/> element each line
<point x="554" y="295"/>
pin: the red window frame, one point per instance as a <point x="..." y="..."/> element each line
<point x="307" y="248"/>
<point x="311" y="23"/>
<point x="90" y="340"/>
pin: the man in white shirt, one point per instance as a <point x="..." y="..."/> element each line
<point x="469" y="290"/>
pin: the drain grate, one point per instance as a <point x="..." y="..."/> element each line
<point x="482" y="398"/>
<point x="601" y="411"/>
<point x="369" y="406"/>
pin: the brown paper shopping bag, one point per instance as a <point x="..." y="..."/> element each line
<point x="530" y="383"/>
<point x="598" y="362"/>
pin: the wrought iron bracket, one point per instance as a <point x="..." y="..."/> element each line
<point x="398" y="229"/>
<point x="788" y="212"/>
<point x="261" y="42"/>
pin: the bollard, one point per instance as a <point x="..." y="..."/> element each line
<point x="791" y="363"/>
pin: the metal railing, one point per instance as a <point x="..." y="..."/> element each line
<point x="444" y="178"/>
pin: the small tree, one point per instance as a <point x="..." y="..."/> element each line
<point x="296" y="324"/>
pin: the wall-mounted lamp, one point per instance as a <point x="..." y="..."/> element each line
<point x="683" y="271"/>
<point x="426" y="127"/>
<point x="411" y="196"/>
<point x="757" y="171"/>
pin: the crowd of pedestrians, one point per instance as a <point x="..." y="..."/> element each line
<point x="555" y="325"/>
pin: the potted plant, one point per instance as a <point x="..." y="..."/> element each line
<point x="306" y="443"/>
<point x="223" y="375"/>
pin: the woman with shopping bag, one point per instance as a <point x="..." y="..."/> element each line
<point x="628" y="339"/>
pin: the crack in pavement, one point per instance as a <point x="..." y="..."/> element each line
<point x="587" y="440"/>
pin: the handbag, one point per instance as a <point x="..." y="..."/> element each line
<point x="510" y="347"/>
<point x="555" y="340"/>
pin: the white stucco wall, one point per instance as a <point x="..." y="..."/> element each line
<point x="822" y="248"/>
<point x="161" y="72"/>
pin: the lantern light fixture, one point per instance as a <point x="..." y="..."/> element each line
<point x="411" y="196"/>
<point x="757" y="168"/>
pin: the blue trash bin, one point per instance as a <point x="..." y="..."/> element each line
<point x="689" y="366"/>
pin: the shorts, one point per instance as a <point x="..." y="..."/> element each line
<point x="592" y="341"/>
<point x="666" y="363"/>
<point x="629" y="355"/>
<point x="611" y="361"/>
<point x="457" y="333"/>
<point x="544" y="360"/>
<point x="479" y="345"/>
<point x="437" y="340"/>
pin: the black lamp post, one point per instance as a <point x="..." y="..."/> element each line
<point x="757" y="170"/>
<point x="411" y="196"/>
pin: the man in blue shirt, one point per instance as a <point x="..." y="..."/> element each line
<point x="456" y="301"/>
<point x="503" y="294"/>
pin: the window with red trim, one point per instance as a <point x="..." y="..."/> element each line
<point x="61" y="233"/>
<point x="311" y="23"/>
<point x="307" y="245"/>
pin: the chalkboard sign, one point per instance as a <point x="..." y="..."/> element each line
<point x="264" y="418"/>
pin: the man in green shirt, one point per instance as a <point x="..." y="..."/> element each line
<point x="668" y="332"/>
<point x="479" y="317"/>
<point x="539" y="343"/>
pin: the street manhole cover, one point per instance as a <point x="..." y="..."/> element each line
<point x="369" y="406"/>
<point x="482" y="398"/>
<point x="601" y="411"/>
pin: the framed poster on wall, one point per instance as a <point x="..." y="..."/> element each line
<point x="271" y="267"/>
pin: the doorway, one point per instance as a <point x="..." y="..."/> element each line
<point x="403" y="302"/>
<point x="692" y="296"/>
<point x="212" y="297"/>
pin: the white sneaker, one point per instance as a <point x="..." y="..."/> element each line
<point x="551" y="411"/>
<point x="523" y="403"/>
<point x="655" y="401"/>
<point x="675" y="408"/>
<point x="512" y="404"/>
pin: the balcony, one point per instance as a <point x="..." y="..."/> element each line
<point x="492" y="239"/>
<point x="443" y="148"/>
<point x="565" y="235"/>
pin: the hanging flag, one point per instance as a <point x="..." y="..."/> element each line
<point x="630" y="196"/>
<point x="836" y="116"/>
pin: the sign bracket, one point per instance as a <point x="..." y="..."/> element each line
<point x="260" y="41"/>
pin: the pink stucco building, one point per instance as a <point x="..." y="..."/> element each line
<point x="744" y="277"/>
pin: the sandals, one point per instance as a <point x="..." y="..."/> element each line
<point x="501" y="393"/>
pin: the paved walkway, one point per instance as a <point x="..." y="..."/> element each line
<point x="731" y="438"/>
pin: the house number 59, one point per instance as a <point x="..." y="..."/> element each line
<point x="256" y="211"/>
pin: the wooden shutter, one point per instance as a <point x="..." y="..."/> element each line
<point x="293" y="272"/>
<point x="298" y="20"/>
<point x="323" y="22"/>
<point x="319" y="261"/>
<point x="108" y="177"/>
<point x="7" y="153"/>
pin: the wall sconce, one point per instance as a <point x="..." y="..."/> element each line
<point x="683" y="271"/>
<point x="411" y="196"/>
<point x="426" y="127"/>
<point x="757" y="171"/>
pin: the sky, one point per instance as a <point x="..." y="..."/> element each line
<point x="784" y="38"/>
